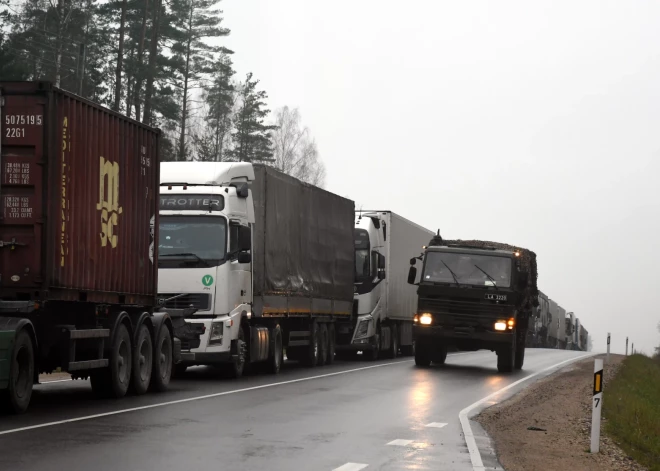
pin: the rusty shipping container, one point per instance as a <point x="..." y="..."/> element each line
<point x="79" y="196"/>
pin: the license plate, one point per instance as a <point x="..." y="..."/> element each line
<point x="496" y="297"/>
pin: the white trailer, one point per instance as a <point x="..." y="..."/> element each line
<point x="384" y="302"/>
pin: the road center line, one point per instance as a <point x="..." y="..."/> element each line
<point x="473" y="449"/>
<point x="197" y="398"/>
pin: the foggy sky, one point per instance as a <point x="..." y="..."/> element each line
<point x="531" y="123"/>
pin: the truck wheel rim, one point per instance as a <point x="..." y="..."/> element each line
<point x="144" y="359"/>
<point x="165" y="354"/>
<point x="22" y="374"/>
<point x="123" y="359"/>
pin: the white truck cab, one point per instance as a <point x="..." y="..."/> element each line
<point x="204" y="209"/>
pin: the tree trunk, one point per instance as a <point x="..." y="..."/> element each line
<point x="58" y="44"/>
<point x="129" y="85"/>
<point x="140" y="66"/>
<point x="151" y="71"/>
<point x="120" y="56"/>
<point x="184" y="108"/>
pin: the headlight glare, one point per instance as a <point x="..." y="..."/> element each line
<point x="426" y="319"/>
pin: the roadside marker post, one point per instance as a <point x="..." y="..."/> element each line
<point x="608" y="348"/>
<point x="626" y="346"/>
<point x="597" y="405"/>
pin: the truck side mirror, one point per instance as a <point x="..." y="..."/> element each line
<point x="412" y="274"/>
<point x="381" y="273"/>
<point x="244" y="257"/>
<point x="381" y="266"/>
<point x="242" y="190"/>
<point x="244" y="238"/>
<point x="413" y="261"/>
<point x="523" y="278"/>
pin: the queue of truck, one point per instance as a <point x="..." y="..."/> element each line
<point x="126" y="271"/>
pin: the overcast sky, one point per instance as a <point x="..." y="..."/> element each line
<point x="532" y="123"/>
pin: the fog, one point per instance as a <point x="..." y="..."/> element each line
<point x="531" y="123"/>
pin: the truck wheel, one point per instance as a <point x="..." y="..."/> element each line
<point x="330" y="359"/>
<point x="374" y="353"/>
<point x="234" y="370"/>
<point x="114" y="380"/>
<point x="506" y="358"/>
<point x="21" y="375"/>
<point x="312" y="357"/>
<point x="520" y="356"/>
<point x="275" y="362"/>
<point x="394" y="342"/>
<point x="440" y="355"/>
<point x="422" y="356"/>
<point x="323" y="344"/>
<point x="142" y="361"/>
<point x="163" y="361"/>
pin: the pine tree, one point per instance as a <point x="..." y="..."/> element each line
<point x="251" y="138"/>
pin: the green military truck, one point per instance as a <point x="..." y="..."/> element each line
<point x="473" y="295"/>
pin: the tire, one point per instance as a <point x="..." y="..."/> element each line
<point x="393" y="350"/>
<point x="440" y="355"/>
<point x="519" y="360"/>
<point x="16" y="398"/>
<point x="114" y="380"/>
<point x="275" y="361"/>
<point x="323" y="344"/>
<point x="143" y="351"/>
<point x="422" y="356"/>
<point x="330" y="359"/>
<point x="236" y="368"/>
<point x="163" y="363"/>
<point x="506" y="358"/>
<point x="311" y="357"/>
<point x="374" y="353"/>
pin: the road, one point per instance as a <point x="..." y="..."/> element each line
<point x="387" y="415"/>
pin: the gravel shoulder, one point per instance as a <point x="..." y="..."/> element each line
<point x="560" y="405"/>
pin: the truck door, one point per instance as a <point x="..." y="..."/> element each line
<point x="240" y="280"/>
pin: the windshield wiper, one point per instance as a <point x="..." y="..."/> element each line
<point x="452" y="272"/>
<point x="186" y="254"/>
<point x="492" y="280"/>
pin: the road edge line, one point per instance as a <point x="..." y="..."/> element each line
<point x="473" y="449"/>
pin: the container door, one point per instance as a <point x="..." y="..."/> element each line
<point x="21" y="188"/>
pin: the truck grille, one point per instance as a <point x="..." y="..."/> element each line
<point x="201" y="301"/>
<point x="464" y="307"/>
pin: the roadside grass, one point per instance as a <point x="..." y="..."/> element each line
<point x="631" y="404"/>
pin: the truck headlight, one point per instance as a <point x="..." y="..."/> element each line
<point x="500" y="325"/>
<point x="426" y="319"/>
<point x="215" y="336"/>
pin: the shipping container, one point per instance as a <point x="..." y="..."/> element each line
<point x="78" y="274"/>
<point x="79" y="195"/>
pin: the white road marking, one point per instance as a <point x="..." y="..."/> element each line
<point x="197" y="398"/>
<point x="473" y="449"/>
<point x="400" y="442"/>
<point x="351" y="467"/>
<point x="436" y="424"/>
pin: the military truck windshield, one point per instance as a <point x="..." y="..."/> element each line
<point x="467" y="268"/>
<point x="362" y="268"/>
<point x="191" y="241"/>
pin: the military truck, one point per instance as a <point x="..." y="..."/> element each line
<point x="473" y="295"/>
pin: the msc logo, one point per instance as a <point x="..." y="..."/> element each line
<point x="109" y="201"/>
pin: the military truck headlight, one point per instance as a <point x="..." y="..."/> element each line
<point x="500" y="325"/>
<point x="215" y="336"/>
<point x="426" y="319"/>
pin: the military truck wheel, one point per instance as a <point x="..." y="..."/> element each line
<point x="142" y="361"/>
<point x="311" y="357"/>
<point x="163" y="361"/>
<point x="330" y="359"/>
<point x="323" y="344"/>
<point x="422" y="356"/>
<point x="16" y="398"/>
<point x="506" y="358"/>
<point x="520" y="356"/>
<point x="440" y="355"/>
<point x="393" y="351"/>
<point x="275" y="362"/>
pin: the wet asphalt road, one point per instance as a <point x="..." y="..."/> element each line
<point x="373" y="414"/>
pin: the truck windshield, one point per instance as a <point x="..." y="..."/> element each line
<point x="362" y="268"/>
<point x="470" y="269"/>
<point x="191" y="241"/>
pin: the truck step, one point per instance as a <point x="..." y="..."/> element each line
<point x="90" y="334"/>
<point x="87" y="365"/>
